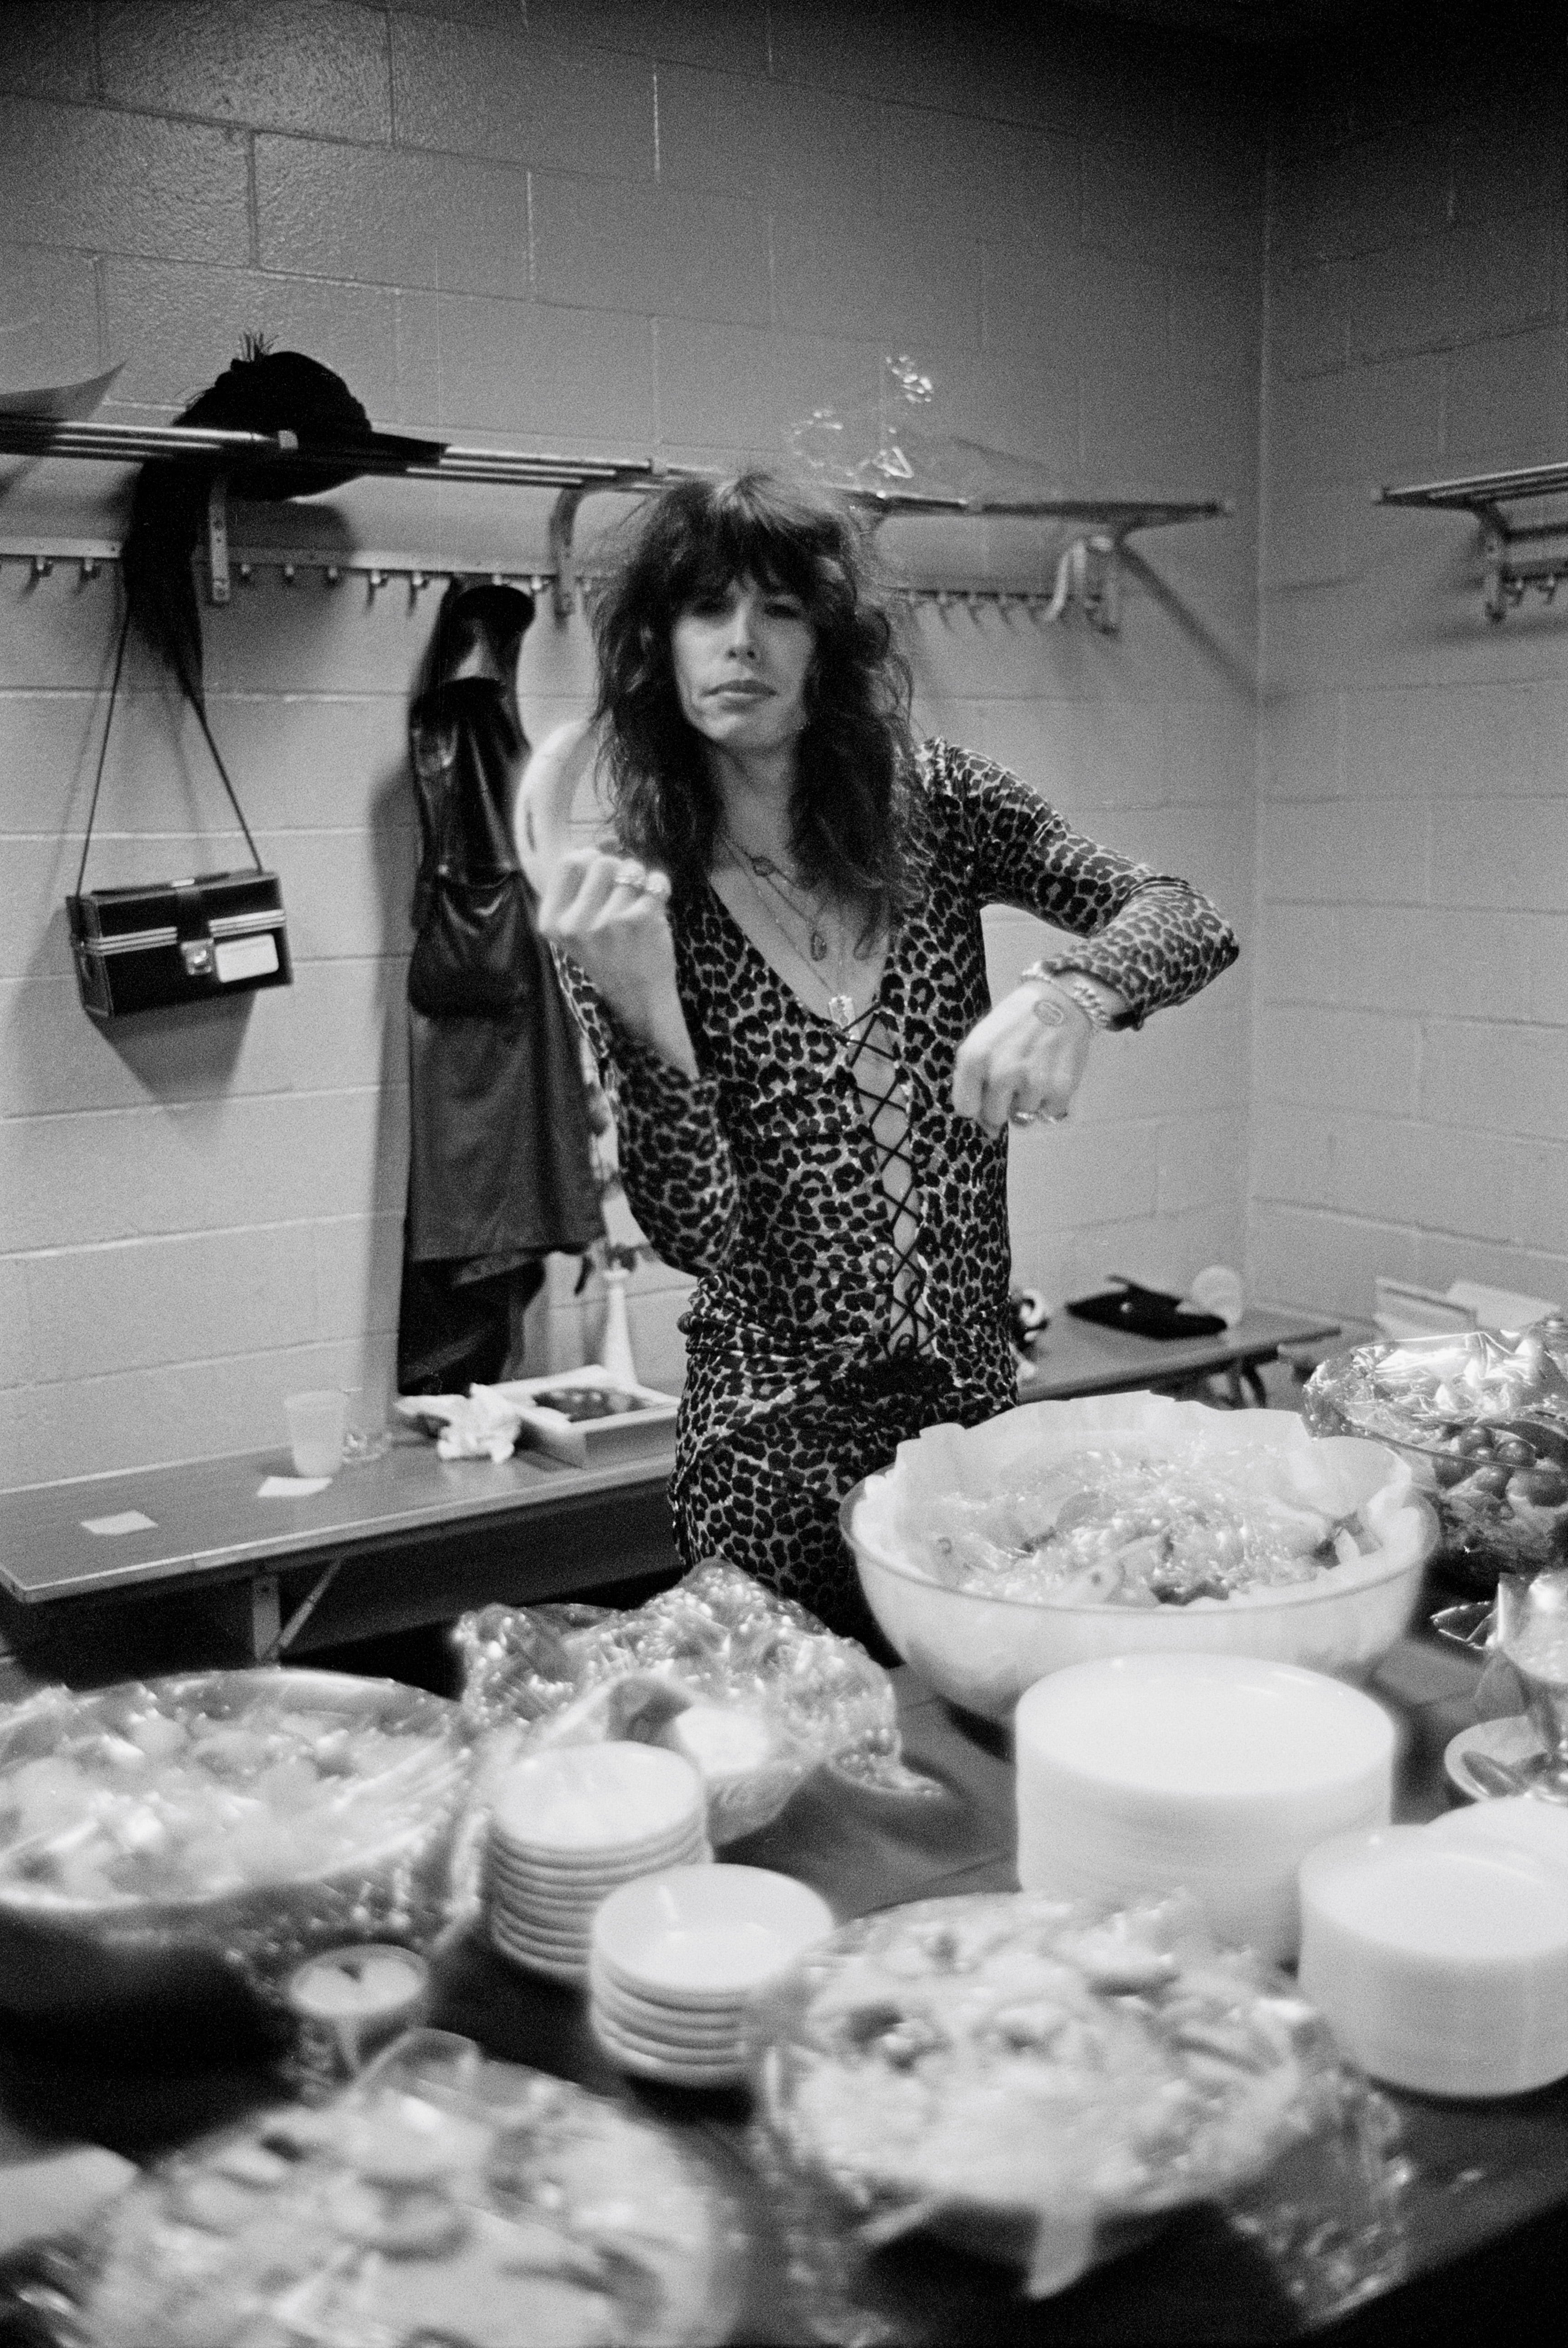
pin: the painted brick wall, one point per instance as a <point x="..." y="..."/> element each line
<point x="667" y="226"/>
<point x="1411" y="1040"/>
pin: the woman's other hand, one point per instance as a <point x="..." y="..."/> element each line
<point x="608" y="912"/>
<point x="1023" y="1061"/>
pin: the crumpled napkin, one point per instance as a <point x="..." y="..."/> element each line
<point x="480" y="1425"/>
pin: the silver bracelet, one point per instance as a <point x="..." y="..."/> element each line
<point x="1076" y="987"/>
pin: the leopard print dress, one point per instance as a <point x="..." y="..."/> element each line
<point x="761" y="1176"/>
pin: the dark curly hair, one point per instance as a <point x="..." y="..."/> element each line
<point x="854" y="823"/>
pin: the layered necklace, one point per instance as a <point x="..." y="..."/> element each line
<point x="829" y="960"/>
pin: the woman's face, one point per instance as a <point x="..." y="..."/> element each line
<point x="741" y="663"/>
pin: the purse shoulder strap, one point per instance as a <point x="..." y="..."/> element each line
<point x="103" y="753"/>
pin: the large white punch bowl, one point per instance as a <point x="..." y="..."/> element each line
<point x="981" y="1651"/>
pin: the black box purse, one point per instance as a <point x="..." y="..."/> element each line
<point x="159" y="943"/>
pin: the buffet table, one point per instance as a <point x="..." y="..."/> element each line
<point x="1476" y="2173"/>
<point x="1080" y="1357"/>
<point x="411" y="1539"/>
<point x="404" y="1540"/>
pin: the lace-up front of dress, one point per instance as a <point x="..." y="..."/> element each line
<point x="884" y="1089"/>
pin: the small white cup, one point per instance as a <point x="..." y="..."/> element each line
<point x="315" y="1431"/>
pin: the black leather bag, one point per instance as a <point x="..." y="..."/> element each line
<point x="157" y="944"/>
<point x="472" y="906"/>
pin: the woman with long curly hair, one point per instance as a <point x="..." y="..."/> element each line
<point x="780" y="964"/>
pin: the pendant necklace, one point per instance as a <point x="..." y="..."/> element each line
<point x="840" y="1002"/>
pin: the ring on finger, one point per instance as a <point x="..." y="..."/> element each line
<point x="1023" y="1116"/>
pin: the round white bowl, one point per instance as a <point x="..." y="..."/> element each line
<point x="581" y="1805"/>
<point x="982" y="1652"/>
<point x="708" y="1934"/>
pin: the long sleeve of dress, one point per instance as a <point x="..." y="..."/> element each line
<point x="675" y="1163"/>
<point x="1155" y="938"/>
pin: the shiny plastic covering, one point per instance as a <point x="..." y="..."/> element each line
<point x="746" y="1683"/>
<point x="1481" y="1416"/>
<point x="1041" y="2083"/>
<point x="159" y="1838"/>
<point x="905" y="439"/>
<point x="444" y="2196"/>
<point x="1089" y="1503"/>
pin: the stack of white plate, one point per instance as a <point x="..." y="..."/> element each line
<point x="677" y="1958"/>
<point x="1216" y="1773"/>
<point x="568" y="1827"/>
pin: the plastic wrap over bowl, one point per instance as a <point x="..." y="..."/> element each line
<point x="357" y="1844"/>
<point x="1481" y="1417"/>
<point x="982" y="1651"/>
<point x="1041" y="2081"/>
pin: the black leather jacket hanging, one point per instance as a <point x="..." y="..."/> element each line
<point x="501" y="1163"/>
<point x="473" y="946"/>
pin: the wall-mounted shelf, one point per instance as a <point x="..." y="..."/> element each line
<point x="1088" y="572"/>
<point x="1506" y="573"/>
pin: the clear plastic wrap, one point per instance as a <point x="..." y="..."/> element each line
<point x="1042" y="2083"/>
<point x="445" y="2197"/>
<point x="746" y="1683"/>
<point x="1063" y="1531"/>
<point x="161" y="1840"/>
<point x="1481" y="1417"/>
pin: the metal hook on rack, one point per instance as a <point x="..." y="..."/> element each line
<point x="373" y="581"/>
<point x="331" y="575"/>
<point x="42" y="566"/>
<point x="290" y="573"/>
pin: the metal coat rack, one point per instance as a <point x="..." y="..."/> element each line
<point x="1506" y="573"/>
<point x="1088" y="572"/>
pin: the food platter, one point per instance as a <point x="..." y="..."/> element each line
<point x="446" y="2196"/>
<point x="174" y="1847"/>
<point x="1034" y="2078"/>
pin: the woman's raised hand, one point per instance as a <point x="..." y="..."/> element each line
<point x="549" y="783"/>
<point x="1022" y="1063"/>
<point x="608" y="912"/>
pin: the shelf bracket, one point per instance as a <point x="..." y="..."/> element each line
<point x="1507" y="570"/>
<point x="1099" y="582"/>
<point x="562" y="555"/>
<point x="1495" y="596"/>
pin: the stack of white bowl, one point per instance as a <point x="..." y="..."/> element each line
<point x="568" y="1827"/>
<point x="1214" y="1773"/>
<point x="677" y="1958"/>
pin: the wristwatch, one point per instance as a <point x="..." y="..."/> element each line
<point x="1082" y="989"/>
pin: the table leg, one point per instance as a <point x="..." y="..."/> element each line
<point x="271" y="1636"/>
<point x="267" y="1618"/>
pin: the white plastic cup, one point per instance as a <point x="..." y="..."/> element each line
<point x="315" y="1431"/>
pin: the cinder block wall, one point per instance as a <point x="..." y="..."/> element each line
<point x="1411" y="1042"/>
<point x="600" y="225"/>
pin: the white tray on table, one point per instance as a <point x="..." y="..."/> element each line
<point x="639" y="1432"/>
